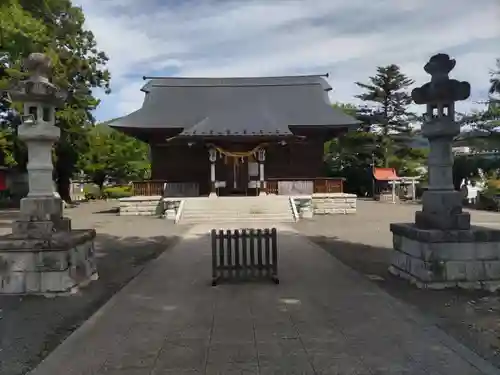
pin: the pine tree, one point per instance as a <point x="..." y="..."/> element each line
<point x="390" y="119"/>
<point x="495" y="84"/>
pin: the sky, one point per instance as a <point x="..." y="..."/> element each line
<point x="347" y="39"/>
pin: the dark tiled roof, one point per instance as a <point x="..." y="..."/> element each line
<point x="236" y="106"/>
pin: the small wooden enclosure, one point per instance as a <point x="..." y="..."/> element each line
<point x="244" y="254"/>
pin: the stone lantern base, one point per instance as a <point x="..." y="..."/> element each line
<point x="43" y="255"/>
<point x="438" y="259"/>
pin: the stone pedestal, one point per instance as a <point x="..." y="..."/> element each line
<point x="56" y="265"/>
<point x="43" y="255"/>
<point x="438" y="259"/>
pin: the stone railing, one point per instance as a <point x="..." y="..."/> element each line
<point x="325" y="204"/>
<point x="333" y="203"/>
<point x="172" y="208"/>
<point x="141" y="206"/>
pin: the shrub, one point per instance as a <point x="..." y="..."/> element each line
<point x="116" y="192"/>
<point x="91" y="191"/>
<point x="489" y="198"/>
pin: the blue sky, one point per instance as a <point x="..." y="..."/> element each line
<point x="346" y="38"/>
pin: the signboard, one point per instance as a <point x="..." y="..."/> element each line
<point x="253" y="169"/>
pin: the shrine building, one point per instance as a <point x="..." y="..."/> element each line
<point x="237" y="136"/>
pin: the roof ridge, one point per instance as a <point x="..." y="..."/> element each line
<point x="240" y="77"/>
<point x="240" y="85"/>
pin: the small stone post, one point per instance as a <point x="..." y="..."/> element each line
<point x="43" y="255"/>
<point x="442" y="250"/>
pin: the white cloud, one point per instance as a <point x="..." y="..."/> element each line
<point x="348" y="39"/>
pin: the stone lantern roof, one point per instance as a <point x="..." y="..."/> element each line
<point x="441" y="89"/>
<point x="37" y="88"/>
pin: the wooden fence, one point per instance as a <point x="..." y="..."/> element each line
<point x="148" y="188"/>
<point x="165" y="188"/>
<point x="244" y="254"/>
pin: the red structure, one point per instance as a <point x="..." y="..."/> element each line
<point x="385" y="174"/>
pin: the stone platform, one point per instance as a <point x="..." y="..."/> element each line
<point x="438" y="259"/>
<point x="55" y="265"/>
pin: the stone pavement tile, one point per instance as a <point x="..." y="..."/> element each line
<point x="286" y="355"/>
<point x="125" y="371"/>
<point x="188" y="354"/>
<point x="222" y="353"/>
<point x="334" y="357"/>
<point x="327" y="364"/>
<point x="84" y="352"/>
<point x="190" y="331"/>
<point x="435" y="358"/>
<point x="269" y="311"/>
<point x="242" y="368"/>
<point x="380" y="366"/>
<point x="319" y="330"/>
<point x="266" y="331"/>
<point x="285" y="371"/>
<point x="136" y="351"/>
<point x="228" y="329"/>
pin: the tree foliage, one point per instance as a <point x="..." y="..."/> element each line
<point x="113" y="155"/>
<point x="387" y="94"/>
<point x="384" y="137"/>
<point x="56" y="27"/>
<point x="495" y="81"/>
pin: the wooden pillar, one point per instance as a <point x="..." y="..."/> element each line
<point x="261" y="156"/>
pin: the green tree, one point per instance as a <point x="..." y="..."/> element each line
<point x="495" y="80"/>
<point x="351" y="154"/>
<point x="387" y="93"/>
<point x="56" y="27"/>
<point x="20" y="34"/>
<point x="113" y="155"/>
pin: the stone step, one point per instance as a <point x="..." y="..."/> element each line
<point x="237" y="209"/>
<point x="235" y="220"/>
<point x="236" y="212"/>
<point x="231" y="217"/>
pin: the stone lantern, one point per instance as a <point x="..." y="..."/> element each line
<point x="441" y="249"/>
<point x="42" y="255"/>
<point x="40" y="99"/>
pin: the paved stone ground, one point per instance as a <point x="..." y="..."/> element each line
<point x="364" y="243"/>
<point x="323" y="318"/>
<point x="31" y="327"/>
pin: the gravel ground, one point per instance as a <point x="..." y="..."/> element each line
<point x="31" y="327"/>
<point x="363" y="242"/>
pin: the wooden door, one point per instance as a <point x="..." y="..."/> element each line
<point x="237" y="176"/>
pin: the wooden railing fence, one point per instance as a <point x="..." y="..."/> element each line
<point x="243" y="254"/>
<point x="148" y="187"/>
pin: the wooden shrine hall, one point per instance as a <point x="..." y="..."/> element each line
<point x="240" y="136"/>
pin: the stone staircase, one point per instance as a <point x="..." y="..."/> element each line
<point x="271" y="208"/>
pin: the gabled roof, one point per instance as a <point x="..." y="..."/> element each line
<point x="235" y="106"/>
<point x="385" y="174"/>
